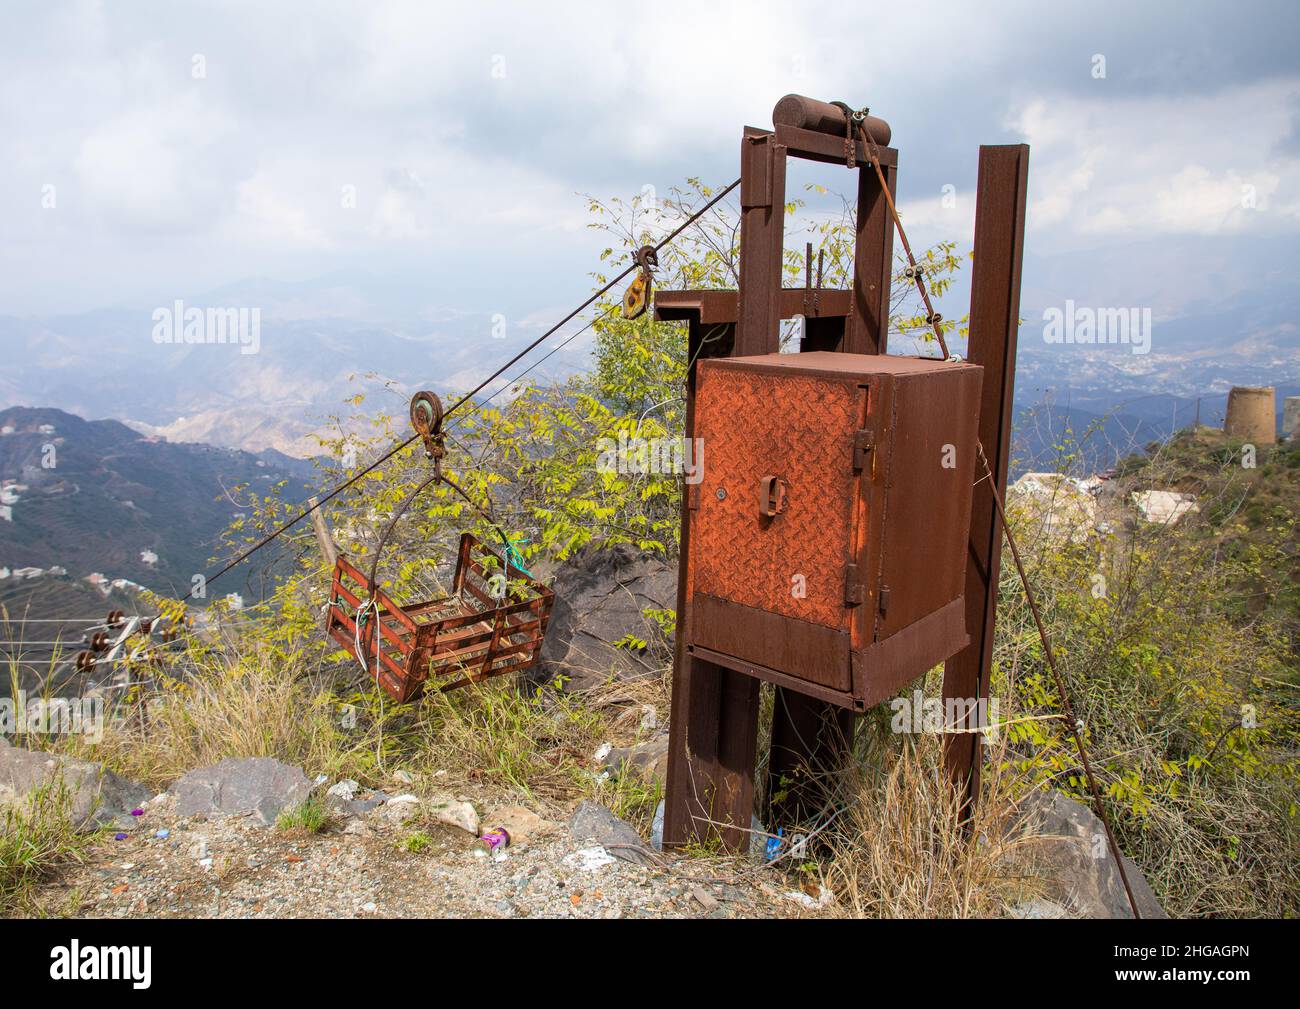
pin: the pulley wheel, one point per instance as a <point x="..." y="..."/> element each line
<point x="426" y="418"/>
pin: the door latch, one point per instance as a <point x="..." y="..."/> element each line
<point x="771" y="496"/>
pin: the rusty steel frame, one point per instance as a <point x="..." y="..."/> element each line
<point x="994" y="323"/>
<point x="715" y="700"/>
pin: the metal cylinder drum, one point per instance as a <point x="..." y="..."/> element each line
<point x="823" y="117"/>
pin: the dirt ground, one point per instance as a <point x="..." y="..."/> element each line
<point x="236" y="868"/>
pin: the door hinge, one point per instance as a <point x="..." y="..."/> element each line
<point x="884" y="599"/>
<point x="863" y="442"/>
<point x="853" y="590"/>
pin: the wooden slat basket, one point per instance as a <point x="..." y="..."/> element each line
<point x="444" y="643"/>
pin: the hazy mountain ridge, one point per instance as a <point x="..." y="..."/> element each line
<point x="322" y="341"/>
<point x="318" y="345"/>
<point x="94" y="496"/>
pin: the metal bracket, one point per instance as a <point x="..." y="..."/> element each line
<point x="854" y="593"/>
<point x="863" y="443"/>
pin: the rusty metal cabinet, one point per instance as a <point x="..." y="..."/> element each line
<point x="831" y="518"/>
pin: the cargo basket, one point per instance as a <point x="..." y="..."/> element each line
<point x="471" y="635"/>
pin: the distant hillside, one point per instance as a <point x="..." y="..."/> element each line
<point x="113" y="494"/>
<point x="319" y="344"/>
<point x="1102" y="426"/>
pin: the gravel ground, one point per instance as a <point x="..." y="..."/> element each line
<point x="235" y="868"/>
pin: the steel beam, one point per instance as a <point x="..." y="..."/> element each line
<point x="994" y="322"/>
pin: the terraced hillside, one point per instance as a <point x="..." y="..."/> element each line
<point x="96" y="496"/>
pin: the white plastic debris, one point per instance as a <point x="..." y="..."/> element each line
<point x="823" y="898"/>
<point x="590" y="859"/>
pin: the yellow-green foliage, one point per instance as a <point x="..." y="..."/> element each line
<point x="1189" y="706"/>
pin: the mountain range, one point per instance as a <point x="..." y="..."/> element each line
<point x="319" y="345"/>
<point x="88" y="497"/>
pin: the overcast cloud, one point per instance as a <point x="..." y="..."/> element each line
<point x="190" y="146"/>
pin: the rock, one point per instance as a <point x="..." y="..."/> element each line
<point x="96" y="796"/>
<point x="593" y="822"/>
<point x="253" y="786"/>
<point x="1038" y="909"/>
<point x="399" y="810"/>
<point x="648" y="760"/>
<point x="523" y="825"/>
<point x="404" y="777"/>
<point x="343" y="798"/>
<point x="345" y="790"/>
<point x="404" y="809"/>
<point x="600" y="598"/>
<point x="455" y="813"/>
<point x="1068" y="845"/>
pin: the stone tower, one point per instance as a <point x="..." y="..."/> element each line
<point x="1252" y="414"/>
<point x="1291" y="417"/>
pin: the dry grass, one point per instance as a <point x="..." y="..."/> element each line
<point x="242" y="703"/>
<point x="900" y="848"/>
<point x="37" y="838"/>
<point x="246" y="700"/>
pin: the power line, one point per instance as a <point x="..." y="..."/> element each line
<point x="694" y="216"/>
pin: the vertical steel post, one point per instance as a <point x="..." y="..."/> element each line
<point x="994" y="322"/>
<point x="711" y="765"/>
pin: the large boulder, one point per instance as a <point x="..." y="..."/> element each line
<point x="259" y="787"/>
<point x="96" y="796"/>
<point x="600" y="598"/>
<point x="593" y="823"/>
<point x="1067" y="843"/>
<point x="648" y="760"/>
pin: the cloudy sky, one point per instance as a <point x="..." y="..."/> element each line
<point x="150" y="151"/>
